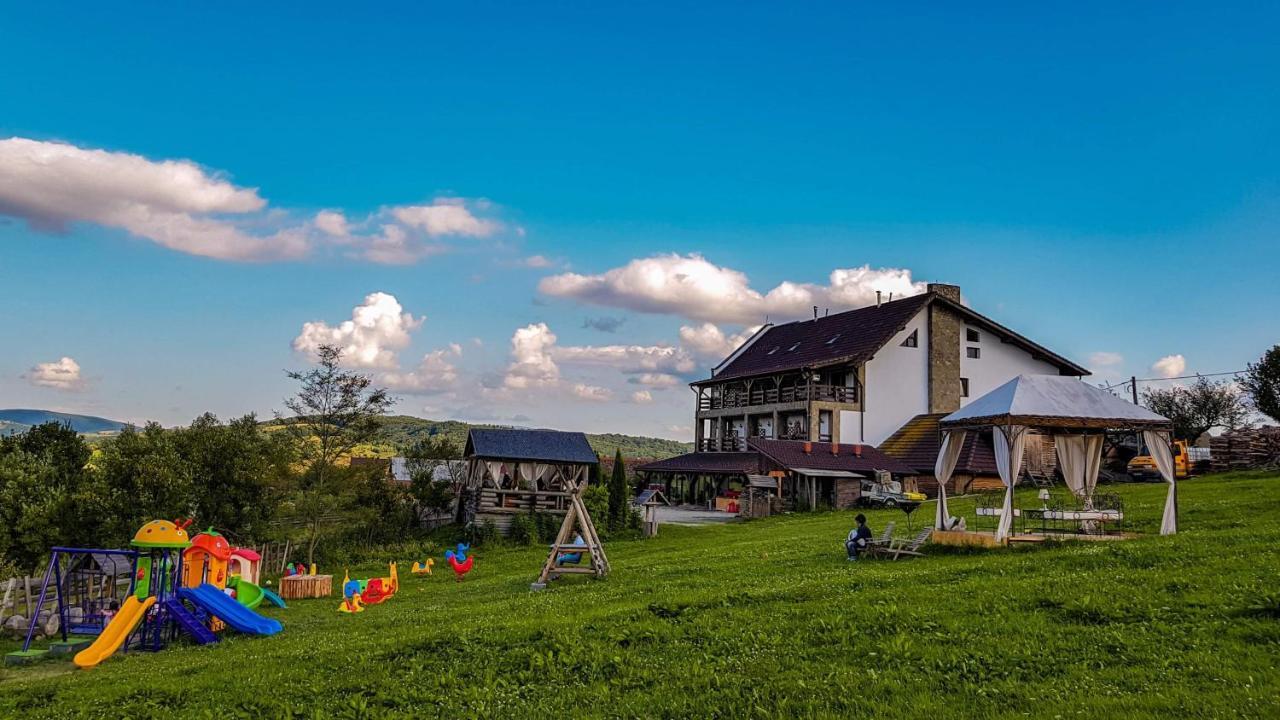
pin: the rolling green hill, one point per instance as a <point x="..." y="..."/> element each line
<point x="19" y="419"/>
<point x="399" y="431"/>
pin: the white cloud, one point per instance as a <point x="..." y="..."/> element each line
<point x="1104" y="359"/>
<point x="709" y="341"/>
<point x="538" y="262"/>
<point x="377" y="329"/>
<point x="63" y="374"/>
<point x="435" y="374"/>
<point x="531" y="363"/>
<point x="332" y="223"/>
<point x="1170" y="366"/>
<point x="693" y="287"/>
<point x="628" y="358"/>
<point x="641" y="397"/>
<point x="174" y="203"/>
<point x="593" y="393"/>
<point x="655" y="380"/>
<point x="445" y="216"/>
<point x="181" y="206"/>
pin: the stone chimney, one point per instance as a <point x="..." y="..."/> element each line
<point x="944" y="351"/>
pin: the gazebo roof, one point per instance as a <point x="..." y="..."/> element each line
<point x="1052" y="401"/>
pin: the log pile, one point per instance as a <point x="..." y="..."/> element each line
<point x="1245" y="450"/>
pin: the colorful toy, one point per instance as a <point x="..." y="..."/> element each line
<point x="459" y="561"/>
<point x="423" y="568"/>
<point x="356" y="594"/>
<point x="351" y="602"/>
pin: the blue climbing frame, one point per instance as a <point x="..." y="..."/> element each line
<point x="74" y="573"/>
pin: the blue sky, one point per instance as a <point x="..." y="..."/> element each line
<point x="1105" y="181"/>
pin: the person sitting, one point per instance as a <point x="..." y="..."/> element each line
<point x="859" y="540"/>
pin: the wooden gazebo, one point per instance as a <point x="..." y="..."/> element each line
<point x="511" y="471"/>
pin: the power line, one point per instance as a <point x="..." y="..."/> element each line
<point x="1123" y="383"/>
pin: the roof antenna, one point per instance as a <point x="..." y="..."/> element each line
<point x="826" y="312"/>
<point x="815" y="312"/>
<point x="890" y="297"/>
<point x="877" y="298"/>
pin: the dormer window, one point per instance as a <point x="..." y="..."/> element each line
<point x="972" y="335"/>
<point x="913" y="340"/>
<point x="833" y="339"/>
<point x="774" y="350"/>
<point x="793" y="347"/>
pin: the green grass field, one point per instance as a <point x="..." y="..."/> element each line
<point x="764" y="619"/>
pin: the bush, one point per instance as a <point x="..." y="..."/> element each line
<point x="547" y="526"/>
<point x="524" y="530"/>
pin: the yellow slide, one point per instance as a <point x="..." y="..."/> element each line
<point x="115" y="633"/>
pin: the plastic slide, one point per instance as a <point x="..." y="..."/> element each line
<point x="237" y="616"/>
<point x="273" y="598"/>
<point x="247" y="594"/>
<point x="115" y="633"/>
<point x="188" y="622"/>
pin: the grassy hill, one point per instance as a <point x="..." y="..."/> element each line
<point x="400" y="431"/>
<point x="764" y="619"/>
<point x="19" y="419"/>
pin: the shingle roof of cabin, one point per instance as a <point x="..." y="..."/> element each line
<point x="916" y="443"/>
<point x="519" y="444"/>
<point x="853" y="458"/>
<point x="855" y="336"/>
<point x="707" y="463"/>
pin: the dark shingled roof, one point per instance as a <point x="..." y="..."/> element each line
<point x="853" y="458"/>
<point x="917" y="442"/>
<point x="518" y="444"/>
<point x="707" y="463"/>
<point x="856" y="336"/>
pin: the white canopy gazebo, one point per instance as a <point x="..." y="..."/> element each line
<point x="1076" y="414"/>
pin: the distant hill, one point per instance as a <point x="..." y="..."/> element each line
<point x="400" y="431"/>
<point x="18" y="420"/>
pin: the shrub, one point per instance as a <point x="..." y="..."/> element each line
<point x="523" y="531"/>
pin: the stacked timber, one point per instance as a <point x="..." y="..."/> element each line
<point x="297" y="587"/>
<point x="1245" y="450"/>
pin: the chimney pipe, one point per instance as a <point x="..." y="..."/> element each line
<point x="857" y="451"/>
<point x="808" y="447"/>
<point x="835" y="448"/>
<point x="815" y="312"/>
<point x="877" y="298"/>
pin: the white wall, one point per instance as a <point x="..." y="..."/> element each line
<point x="897" y="388"/>
<point x="1000" y="363"/>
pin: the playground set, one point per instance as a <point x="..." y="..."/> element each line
<point x="175" y="585"/>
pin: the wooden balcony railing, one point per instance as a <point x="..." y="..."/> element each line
<point x="770" y="396"/>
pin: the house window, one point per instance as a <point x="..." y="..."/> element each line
<point x="973" y="352"/>
<point x="964" y="387"/>
<point x="972" y="335"/>
<point x="774" y="350"/>
<point x="793" y="347"/>
<point x="913" y="340"/>
<point x="833" y="339"/>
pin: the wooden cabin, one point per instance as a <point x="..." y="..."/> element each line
<point x="510" y="471"/>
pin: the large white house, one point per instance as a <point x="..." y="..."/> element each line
<point x="877" y="376"/>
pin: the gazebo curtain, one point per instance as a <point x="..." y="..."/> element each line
<point x="1079" y="457"/>
<point x="1158" y="446"/>
<point x="1010" y="441"/>
<point x="948" y="456"/>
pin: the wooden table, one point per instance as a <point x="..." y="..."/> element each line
<point x="297" y="587"/>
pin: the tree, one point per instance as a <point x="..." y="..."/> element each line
<point x="426" y="459"/>
<point x="618" y="493"/>
<point x="1199" y="408"/>
<point x="334" y="410"/>
<point x="239" y="470"/>
<point x="1262" y="383"/>
<point x="143" y="477"/>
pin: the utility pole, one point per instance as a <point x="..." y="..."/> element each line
<point x="1133" y="386"/>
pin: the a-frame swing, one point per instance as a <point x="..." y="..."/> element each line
<point x="577" y="515"/>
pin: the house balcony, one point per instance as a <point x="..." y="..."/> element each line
<point x="733" y="443"/>
<point x="772" y="396"/>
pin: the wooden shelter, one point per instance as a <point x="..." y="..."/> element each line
<point x="509" y="471"/>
